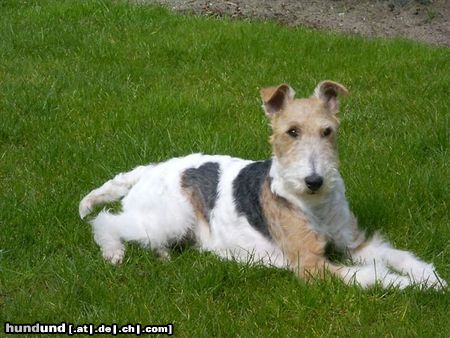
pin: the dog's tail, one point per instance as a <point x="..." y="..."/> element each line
<point x="111" y="191"/>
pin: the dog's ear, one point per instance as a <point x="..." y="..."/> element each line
<point x="328" y="91"/>
<point x="275" y="98"/>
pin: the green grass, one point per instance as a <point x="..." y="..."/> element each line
<point x="89" y="89"/>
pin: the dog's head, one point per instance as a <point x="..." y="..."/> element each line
<point x="304" y="136"/>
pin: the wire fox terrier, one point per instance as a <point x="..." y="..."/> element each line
<point x="280" y="212"/>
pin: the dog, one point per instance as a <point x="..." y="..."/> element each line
<point x="280" y="212"/>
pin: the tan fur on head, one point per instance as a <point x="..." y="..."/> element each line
<point x="306" y="118"/>
<point x="310" y="119"/>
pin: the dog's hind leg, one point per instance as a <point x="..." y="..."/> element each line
<point x="150" y="229"/>
<point x="111" y="191"/>
<point x="111" y="230"/>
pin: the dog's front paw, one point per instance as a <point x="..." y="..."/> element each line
<point x="393" y="280"/>
<point x="377" y="274"/>
<point x="163" y="254"/>
<point x="114" y="256"/>
<point x="85" y="207"/>
<point x="428" y="278"/>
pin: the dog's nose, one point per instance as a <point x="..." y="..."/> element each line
<point x="314" y="182"/>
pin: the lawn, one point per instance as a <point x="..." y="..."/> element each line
<point x="92" y="88"/>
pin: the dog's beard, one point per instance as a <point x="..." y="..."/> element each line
<point x="294" y="181"/>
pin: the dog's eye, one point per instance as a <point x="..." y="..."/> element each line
<point x="293" y="132"/>
<point x="326" y="132"/>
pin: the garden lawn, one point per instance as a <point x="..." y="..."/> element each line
<point x="92" y="88"/>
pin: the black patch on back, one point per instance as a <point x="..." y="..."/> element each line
<point x="246" y="193"/>
<point x="203" y="182"/>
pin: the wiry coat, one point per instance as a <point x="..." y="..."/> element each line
<point x="280" y="212"/>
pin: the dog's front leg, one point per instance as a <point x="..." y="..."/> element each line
<point x="308" y="263"/>
<point x="379" y="251"/>
<point x="307" y="259"/>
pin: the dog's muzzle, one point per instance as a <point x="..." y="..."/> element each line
<point x="314" y="182"/>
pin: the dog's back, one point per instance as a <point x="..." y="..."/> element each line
<point x="278" y="212"/>
<point x="203" y="197"/>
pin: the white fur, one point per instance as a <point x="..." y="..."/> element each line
<point x="378" y="251"/>
<point x="156" y="213"/>
<point x="329" y="214"/>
